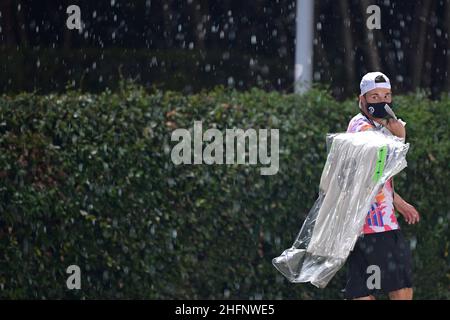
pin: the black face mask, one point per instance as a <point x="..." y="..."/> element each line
<point x="378" y="110"/>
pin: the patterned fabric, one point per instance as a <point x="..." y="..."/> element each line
<point x="381" y="216"/>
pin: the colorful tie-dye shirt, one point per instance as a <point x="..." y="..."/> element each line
<point x="381" y="216"/>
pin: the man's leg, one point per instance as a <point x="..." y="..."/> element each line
<point x="402" y="294"/>
<point x="365" y="298"/>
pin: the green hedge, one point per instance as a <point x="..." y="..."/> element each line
<point x="88" y="180"/>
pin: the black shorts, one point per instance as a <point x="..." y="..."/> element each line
<point x="387" y="250"/>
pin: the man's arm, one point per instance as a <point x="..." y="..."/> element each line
<point x="408" y="211"/>
<point x="395" y="127"/>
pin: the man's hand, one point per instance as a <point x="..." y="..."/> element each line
<point x="395" y="127"/>
<point x="408" y="211"/>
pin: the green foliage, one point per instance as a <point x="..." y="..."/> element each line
<point x="88" y="180"/>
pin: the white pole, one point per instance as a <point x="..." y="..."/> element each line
<point x="304" y="45"/>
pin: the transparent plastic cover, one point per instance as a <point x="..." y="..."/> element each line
<point x="357" y="166"/>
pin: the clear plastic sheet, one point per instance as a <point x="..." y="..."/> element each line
<point x="357" y="166"/>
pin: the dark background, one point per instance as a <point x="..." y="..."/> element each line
<point x="193" y="45"/>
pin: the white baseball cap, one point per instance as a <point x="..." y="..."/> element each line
<point x="373" y="80"/>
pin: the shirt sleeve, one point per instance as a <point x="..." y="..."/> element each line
<point x="359" y="126"/>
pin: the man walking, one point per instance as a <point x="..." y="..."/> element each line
<point x="382" y="244"/>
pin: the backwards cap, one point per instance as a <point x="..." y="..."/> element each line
<point x="373" y="80"/>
